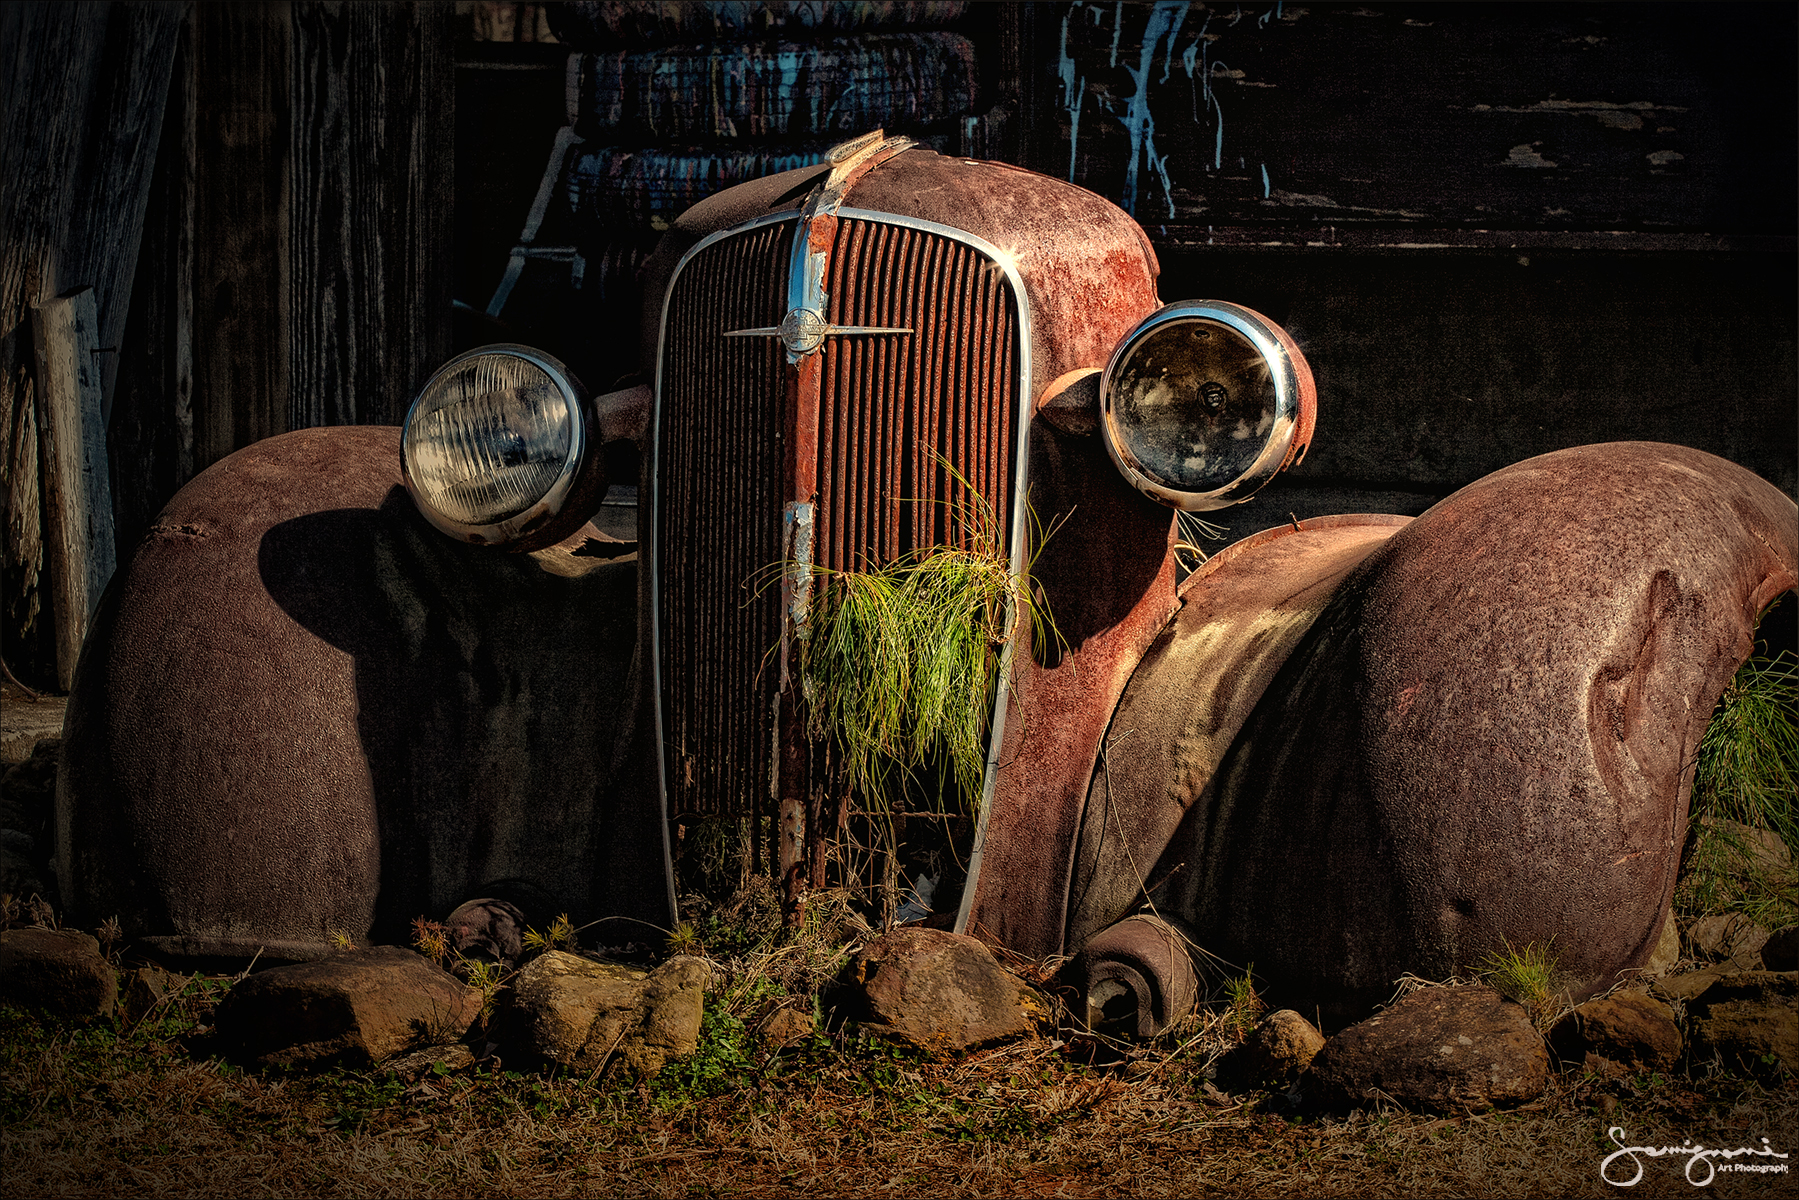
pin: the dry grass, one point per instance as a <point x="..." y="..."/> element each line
<point x="100" y="1112"/>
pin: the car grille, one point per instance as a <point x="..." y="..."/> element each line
<point x="913" y="430"/>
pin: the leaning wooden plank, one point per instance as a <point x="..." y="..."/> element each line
<point x="77" y="498"/>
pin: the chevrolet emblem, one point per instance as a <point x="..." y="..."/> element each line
<point x="804" y="330"/>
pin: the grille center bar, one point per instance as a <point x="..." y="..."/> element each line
<point x="800" y="849"/>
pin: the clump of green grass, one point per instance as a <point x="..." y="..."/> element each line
<point x="1529" y="974"/>
<point x="900" y="661"/>
<point x="1747" y="780"/>
<point x="1243" y="1007"/>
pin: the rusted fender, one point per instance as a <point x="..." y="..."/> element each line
<point x="302" y="712"/>
<point x="1487" y="735"/>
<point x="1241" y="613"/>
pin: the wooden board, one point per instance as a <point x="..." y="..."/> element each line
<point x="77" y="498"/>
<point x="1655" y="126"/>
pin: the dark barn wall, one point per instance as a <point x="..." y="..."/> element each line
<point x="301" y="229"/>
<point x="1496" y="230"/>
<point x="290" y="168"/>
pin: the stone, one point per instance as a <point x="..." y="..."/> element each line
<point x="578" y="1012"/>
<point x="26" y="724"/>
<point x="1760" y="850"/>
<point x="354" y="1007"/>
<point x="1727" y="937"/>
<point x="1688" y="984"/>
<point x="942" y="992"/>
<point x="145" y="988"/>
<point x="1277" y="1050"/>
<point x="487" y="929"/>
<point x="785" y="1026"/>
<point x="1666" y="955"/>
<point x="1449" y="1049"/>
<point x="1748" y="1019"/>
<point x="1781" y="951"/>
<point x="60" y="971"/>
<point x="1628" y="1028"/>
<point x="27" y="821"/>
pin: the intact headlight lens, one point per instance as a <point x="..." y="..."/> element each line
<point x="1204" y="402"/>
<point x="494" y="443"/>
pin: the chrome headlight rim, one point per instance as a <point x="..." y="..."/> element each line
<point x="1295" y="404"/>
<point x="575" y="491"/>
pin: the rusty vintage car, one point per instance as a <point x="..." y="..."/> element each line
<point x="1343" y="749"/>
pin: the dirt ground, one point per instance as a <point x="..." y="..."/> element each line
<point x="152" y="1110"/>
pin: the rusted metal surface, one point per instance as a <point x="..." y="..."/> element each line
<point x="1137" y="977"/>
<point x="304" y="710"/>
<point x="1240" y="615"/>
<point x="1081" y="304"/>
<point x="1484" y="737"/>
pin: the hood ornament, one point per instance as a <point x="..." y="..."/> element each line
<point x="804" y="330"/>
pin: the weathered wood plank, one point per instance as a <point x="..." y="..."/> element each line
<point x="77" y="496"/>
<point x="241" y="292"/>
<point x="373" y="124"/>
<point x="123" y="127"/>
<point x="153" y="400"/>
<point x="1569" y="118"/>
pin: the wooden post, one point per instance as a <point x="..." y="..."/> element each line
<point x="77" y="495"/>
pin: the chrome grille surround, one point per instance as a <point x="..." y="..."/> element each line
<point x="967" y="351"/>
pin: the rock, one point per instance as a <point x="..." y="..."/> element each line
<point x="1759" y="850"/>
<point x="144" y="989"/>
<point x="1451" y="1049"/>
<point x="28" y="791"/>
<point x="942" y="992"/>
<point x="1627" y="1029"/>
<point x="1781" y="951"/>
<point x="27" y="821"/>
<point x="26" y="724"/>
<point x="577" y="1012"/>
<point x="785" y="1026"/>
<point x="488" y="929"/>
<point x="1666" y="955"/>
<point x="1747" y="1018"/>
<point x="1689" y="984"/>
<point x="59" y="971"/>
<point x="1277" y="1050"/>
<point x="1729" y="937"/>
<point x="355" y="1007"/>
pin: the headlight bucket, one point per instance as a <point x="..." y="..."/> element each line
<point x="1204" y="402"/>
<point x="500" y="448"/>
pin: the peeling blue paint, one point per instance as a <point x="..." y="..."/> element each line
<point x="1164" y="22"/>
<point x="1073" y="90"/>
